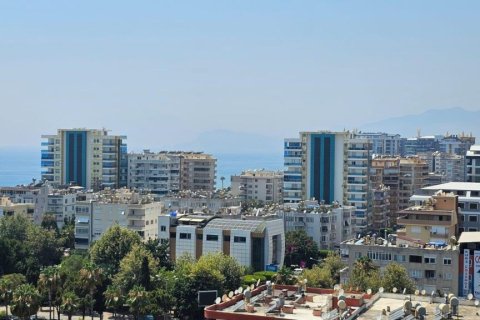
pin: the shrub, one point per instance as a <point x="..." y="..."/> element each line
<point x="269" y="275"/>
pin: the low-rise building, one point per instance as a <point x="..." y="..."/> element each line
<point x="59" y="202"/>
<point x="328" y="225"/>
<point x="200" y="201"/>
<point x="252" y="242"/>
<point x="97" y="212"/>
<point x="259" y="185"/>
<point x="9" y="208"/>
<point x="434" y="220"/>
<point x="432" y="266"/>
<point x="468" y="201"/>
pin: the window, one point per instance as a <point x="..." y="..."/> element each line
<point x="163" y="228"/>
<point x="226" y="238"/>
<point x="415" y="259"/>
<point x="417" y="274"/>
<point x="461" y="205"/>
<point x="447" y="261"/>
<point x="399" y="258"/>
<point x="212" y="237"/>
<point x="447" y="276"/>
<point x="430" y="260"/>
<point x="473" y="206"/>
<point x="199" y="237"/>
<point x="472" y="218"/>
<point x="239" y="239"/>
<point x="185" y="235"/>
<point x="430" y="274"/>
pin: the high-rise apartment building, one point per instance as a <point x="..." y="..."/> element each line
<point x="329" y="167"/>
<point x="456" y="144"/>
<point x="159" y="173"/>
<point x="384" y="143"/>
<point x="413" y="172"/>
<point x="385" y="171"/>
<point x="413" y="146"/>
<point x="90" y="158"/>
<point x="473" y="164"/>
<point x="169" y="172"/>
<point x="260" y="185"/>
<point x="450" y="167"/>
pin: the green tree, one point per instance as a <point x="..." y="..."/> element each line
<point x="49" y="222"/>
<point x="49" y="282"/>
<point x="70" y="304"/>
<point x="318" y="276"/>
<point x="113" y="298"/>
<point x="285" y="276"/>
<point x="137" y="301"/>
<point x="396" y="276"/>
<point x="8" y="283"/>
<point x="300" y="249"/>
<point x="160" y="251"/>
<point x="112" y="247"/>
<point x="135" y="269"/>
<point x="91" y="277"/>
<point x="333" y="262"/>
<point x="26" y="301"/>
<point x="160" y="302"/>
<point x="365" y="275"/>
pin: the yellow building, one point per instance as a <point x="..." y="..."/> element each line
<point x="8" y="208"/>
<point x="435" y="220"/>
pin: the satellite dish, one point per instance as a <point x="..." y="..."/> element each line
<point x="230" y="294"/>
<point x="240" y="290"/>
<point x="369" y="291"/>
<point x="248" y="293"/>
<point x="424" y="292"/>
<point x="218" y="300"/>
<point x="252" y="286"/>
<point x="258" y="283"/>
<point x="341" y="292"/>
<point x="404" y="290"/>
<point x="336" y="287"/>
<point x="417" y="292"/>
<point x="433" y="293"/>
<point x="394" y="290"/>
<point x="381" y="289"/>
<point x="224" y="298"/>
<point x="470" y="296"/>
<point x="342" y="304"/>
<point x="477" y="303"/>
<point x="235" y="292"/>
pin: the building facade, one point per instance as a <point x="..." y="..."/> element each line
<point x="472" y="172"/>
<point x="253" y="243"/>
<point x="327" y="225"/>
<point x="384" y="143"/>
<point x="329" y="167"/>
<point x="90" y="158"/>
<point x="259" y="185"/>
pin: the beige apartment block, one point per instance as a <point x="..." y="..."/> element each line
<point x="261" y="185"/>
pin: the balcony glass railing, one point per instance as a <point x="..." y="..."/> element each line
<point x="46" y="163"/>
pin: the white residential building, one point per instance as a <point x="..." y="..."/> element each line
<point x="97" y="212"/>
<point x="328" y="225"/>
<point x="61" y="203"/>
<point x="253" y="243"/>
<point x="261" y="185"/>
<point x="473" y="164"/>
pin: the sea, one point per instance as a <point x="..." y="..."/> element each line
<point x="20" y="165"/>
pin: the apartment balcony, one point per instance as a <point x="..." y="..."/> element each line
<point x="362" y="174"/>
<point x="423" y="222"/>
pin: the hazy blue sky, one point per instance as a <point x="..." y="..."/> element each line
<point x="163" y="72"/>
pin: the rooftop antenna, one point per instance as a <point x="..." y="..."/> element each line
<point x="381" y="289"/>
<point x="230" y="294"/>
<point x="218" y="300"/>
<point x="394" y="290"/>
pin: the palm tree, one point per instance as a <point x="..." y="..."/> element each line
<point x="26" y="301"/>
<point x="113" y="298"/>
<point x="90" y="277"/>
<point x="70" y="303"/>
<point x="222" y="179"/>
<point x="7" y="285"/>
<point x="6" y="292"/>
<point x="137" y="301"/>
<point x="49" y="281"/>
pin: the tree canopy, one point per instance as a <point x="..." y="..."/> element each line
<point x="300" y="249"/>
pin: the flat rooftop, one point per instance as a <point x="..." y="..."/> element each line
<point x="462" y="186"/>
<point x="467" y="309"/>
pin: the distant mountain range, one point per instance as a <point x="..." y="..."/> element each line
<point x="430" y="122"/>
